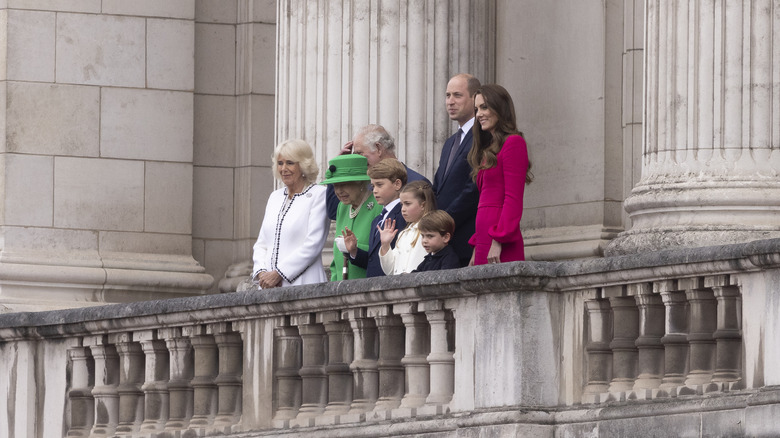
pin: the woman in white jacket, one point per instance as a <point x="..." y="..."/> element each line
<point x="288" y="250"/>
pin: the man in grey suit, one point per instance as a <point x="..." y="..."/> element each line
<point x="456" y="193"/>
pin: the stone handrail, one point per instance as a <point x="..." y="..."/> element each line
<point x="533" y="334"/>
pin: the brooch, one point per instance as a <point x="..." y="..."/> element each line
<point x="370" y="205"/>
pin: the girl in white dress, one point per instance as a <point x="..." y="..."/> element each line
<point x="417" y="199"/>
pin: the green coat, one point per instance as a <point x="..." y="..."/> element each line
<point x="360" y="225"/>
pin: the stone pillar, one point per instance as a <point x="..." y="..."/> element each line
<point x="82" y="402"/>
<point x="340" y="354"/>
<point x="441" y="359"/>
<point x="650" y="363"/>
<point x="182" y="368"/>
<point x="98" y="110"/>
<point x="230" y="378"/>
<point x="155" y="385"/>
<point x="711" y="139"/>
<point x="106" y="383"/>
<point x="287" y="355"/>
<point x="702" y="324"/>
<point x="206" y="358"/>
<point x="314" y="380"/>
<point x="415" y="360"/>
<point x="599" y="371"/>
<point x="131" y="377"/>
<point x="342" y="65"/>
<point x="675" y="339"/>
<point x="391" y="351"/>
<point x="625" y="331"/>
<point x="365" y="384"/>
<point x="728" y="335"/>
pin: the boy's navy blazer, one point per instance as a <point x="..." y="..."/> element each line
<point x="369" y="260"/>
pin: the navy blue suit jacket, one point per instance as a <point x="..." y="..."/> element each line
<point x="332" y="201"/>
<point x="457" y="194"/>
<point x="369" y="260"/>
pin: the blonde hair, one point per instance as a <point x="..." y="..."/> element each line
<point x="299" y="151"/>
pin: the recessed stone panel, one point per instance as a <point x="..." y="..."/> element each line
<point x="168" y="198"/>
<point x="146" y="124"/>
<point x="101" y="50"/>
<point x="30" y="46"/>
<point x="170" y="54"/>
<point x="215" y="59"/>
<point x="28" y="189"/>
<point x="151" y="8"/>
<point x="264" y="58"/>
<point x="52" y="119"/>
<point x="215" y="130"/>
<point x="212" y="206"/>
<point x="98" y="194"/>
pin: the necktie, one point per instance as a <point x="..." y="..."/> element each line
<point x="453" y="151"/>
<point x="382" y="221"/>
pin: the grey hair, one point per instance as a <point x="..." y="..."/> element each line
<point x="300" y="152"/>
<point x="373" y="134"/>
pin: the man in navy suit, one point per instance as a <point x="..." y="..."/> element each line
<point x="376" y="144"/>
<point x="456" y="193"/>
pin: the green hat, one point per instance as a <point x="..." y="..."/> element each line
<point x="346" y="168"/>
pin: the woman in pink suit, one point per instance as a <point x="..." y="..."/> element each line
<point x="500" y="167"/>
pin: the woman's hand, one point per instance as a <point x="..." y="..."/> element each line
<point x="350" y="241"/>
<point x="269" y="279"/>
<point x="494" y="254"/>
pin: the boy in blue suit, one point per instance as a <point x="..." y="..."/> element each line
<point x="388" y="178"/>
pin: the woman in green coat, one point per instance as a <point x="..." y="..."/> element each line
<point x="356" y="210"/>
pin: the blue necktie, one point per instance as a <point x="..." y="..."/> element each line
<point x="453" y="151"/>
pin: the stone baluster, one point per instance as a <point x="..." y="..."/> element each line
<point x="314" y="380"/>
<point x="204" y="350"/>
<point x="650" y="361"/>
<point x="415" y="361"/>
<point x="155" y="385"/>
<point x="702" y="324"/>
<point x="441" y="359"/>
<point x="106" y="383"/>
<point x="625" y="331"/>
<point x="230" y="378"/>
<point x="340" y="355"/>
<point x="364" y="366"/>
<point x="389" y="366"/>
<point x="675" y="339"/>
<point x="131" y="377"/>
<point x="82" y="403"/>
<point x="728" y="336"/>
<point x="181" y="372"/>
<point x="599" y="354"/>
<point x="287" y="354"/>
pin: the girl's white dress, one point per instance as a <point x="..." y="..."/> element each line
<point x="292" y="236"/>
<point x="407" y="254"/>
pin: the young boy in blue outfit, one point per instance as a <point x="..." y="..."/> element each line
<point x="436" y="229"/>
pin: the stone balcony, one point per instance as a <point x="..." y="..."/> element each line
<point x="672" y="343"/>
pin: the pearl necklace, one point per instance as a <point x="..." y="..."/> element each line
<point x="354" y="212"/>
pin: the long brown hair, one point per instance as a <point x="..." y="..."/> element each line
<point x="486" y="145"/>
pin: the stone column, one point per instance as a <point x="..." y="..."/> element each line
<point x="711" y="137"/>
<point x="391" y="351"/>
<point x="650" y="363"/>
<point x="728" y="335"/>
<point x="131" y="377"/>
<point x="599" y="371"/>
<point x="314" y="380"/>
<point x="155" y="385"/>
<point x="702" y="324"/>
<point x="364" y="366"/>
<point x="625" y="330"/>
<point x="206" y="358"/>
<point x="230" y="378"/>
<point x="441" y="359"/>
<point x="82" y="402"/>
<point x="106" y="383"/>
<point x="675" y="339"/>
<point x="340" y="354"/>
<point x="182" y="368"/>
<point x="287" y="356"/>
<point x="415" y="360"/>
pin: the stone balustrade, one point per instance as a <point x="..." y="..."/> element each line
<point x="518" y="347"/>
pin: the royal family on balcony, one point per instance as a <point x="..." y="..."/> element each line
<point x="481" y="179"/>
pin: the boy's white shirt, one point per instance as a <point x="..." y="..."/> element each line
<point x="404" y="257"/>
<point x="389" y="207"/>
